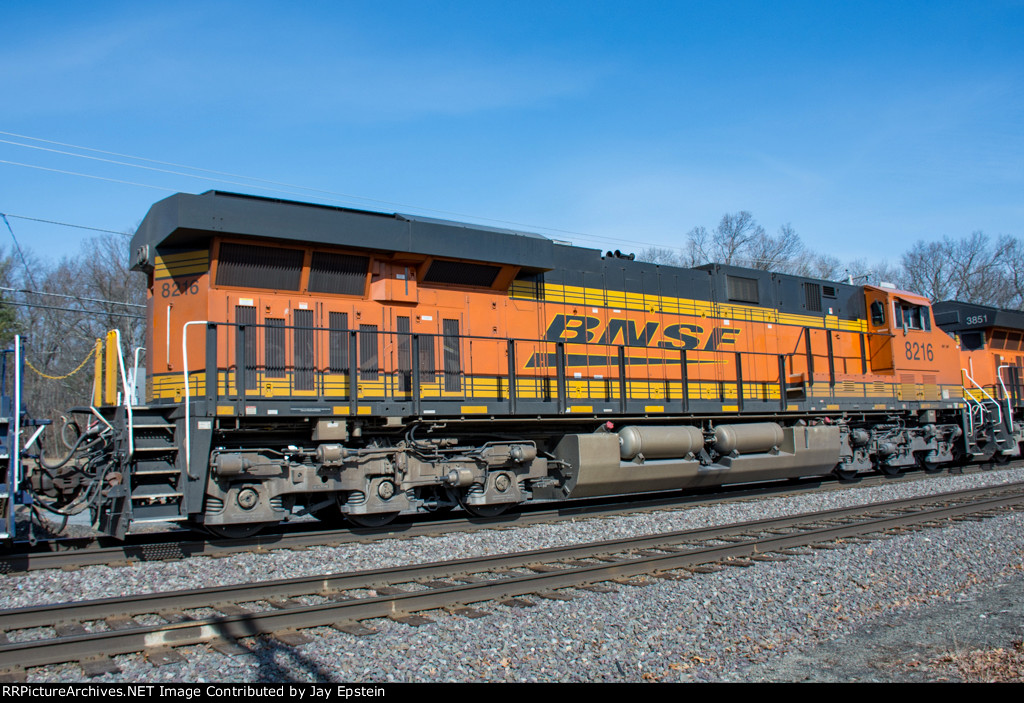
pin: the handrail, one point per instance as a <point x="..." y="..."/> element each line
<point x="127" y="396"/>
<point x="545" y="349"/>
<point x="970" y="411"/>
<point x="994" y="401"/>
<point x="135" y="370"/>
<point x="14" y="451"/>
<point x="1006" y="394"/>
<point x="188" y="408"/>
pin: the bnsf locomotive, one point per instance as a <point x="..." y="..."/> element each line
<point x="352" y="365"/>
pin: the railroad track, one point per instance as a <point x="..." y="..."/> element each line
<point x="78" y="552"/>
<point x="157" y="623"/>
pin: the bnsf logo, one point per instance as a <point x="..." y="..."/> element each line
<point x="583" y="329"/>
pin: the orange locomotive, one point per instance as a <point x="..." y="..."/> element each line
<point x="311" y="359"/>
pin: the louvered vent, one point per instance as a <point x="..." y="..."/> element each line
<point x="259" y="267"/>
<point x="337" y="340"/>
<point x="828" y="291"/>
<point x="812" y="296"/>
<point x="743" y="290"/>
<point x="338" y="273"/>
<point x="461" y="273"/>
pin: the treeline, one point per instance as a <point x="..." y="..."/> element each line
<point x="975" y="268"/>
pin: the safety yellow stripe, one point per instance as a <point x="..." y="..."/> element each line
<point x="170" y="387"/>
<point x="597" y="297"/>
<point x="183" y="264"/>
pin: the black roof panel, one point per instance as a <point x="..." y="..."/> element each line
<point x="185" y="220"/>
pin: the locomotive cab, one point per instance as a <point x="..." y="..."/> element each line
<point x="903" y="338"/>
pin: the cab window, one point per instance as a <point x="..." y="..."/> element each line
<point x="912" y="317"/>
<point x="878" y="314"/>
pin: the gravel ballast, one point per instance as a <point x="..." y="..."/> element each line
<point x="878" y="611"/>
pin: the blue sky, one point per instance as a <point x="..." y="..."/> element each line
<point x="867" y="126"/>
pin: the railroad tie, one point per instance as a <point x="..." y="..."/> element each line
<point x="354" y="628"/>
<point x="411" y="620"/>
<point x="292" y="638"/>
<point x="467" y="612"/>
<point x="228" y="647"/>
<point x="161" y="656"/>
<point x="99" y="665"/>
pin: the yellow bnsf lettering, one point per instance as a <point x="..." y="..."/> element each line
<point x="584" y="329"/>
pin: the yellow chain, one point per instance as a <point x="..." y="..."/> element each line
<point x="58" y="378"/>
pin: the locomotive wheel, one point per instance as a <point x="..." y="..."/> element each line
<point x="238" y="531"/>
<point x="844" y="474"/>
<point x="493" y="510"/>
<point x="371" y="519"/>
<point x="487" y="510"/>
<point x="889" y="470"/>
<point x="927" y="466"/>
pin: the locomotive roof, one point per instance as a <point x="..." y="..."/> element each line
<point x="954" y="316"/>
<point x="185" y="220"/>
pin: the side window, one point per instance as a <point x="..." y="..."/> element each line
<point x="877" y="314"/>
<point x="912" y="317"/>
<point x="972" y="340"/>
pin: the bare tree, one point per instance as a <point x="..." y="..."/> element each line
<point x="734" y="237"/>
<point x="782" y="253"/>
<point x="928" y="270"/>
<point x="661" y="255"/>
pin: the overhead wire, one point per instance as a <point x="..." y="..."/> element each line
<point x="66" y="224"/>
<point x="78" y="310"/>
<point x="88" y="175"/>
<point x="252" y="181"/>
<point x="346" y="198"/>
<point x="21" y="254"/>
<point x="73" y="297"/>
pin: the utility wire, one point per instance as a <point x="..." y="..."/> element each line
<point x="78" y="310"/>
<point x="87" y="175"/>
<point x="347" y="198"/>
<point x="73" y="297"/>
<point x="28" y="271"/>
<point x="65" y="224"/>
